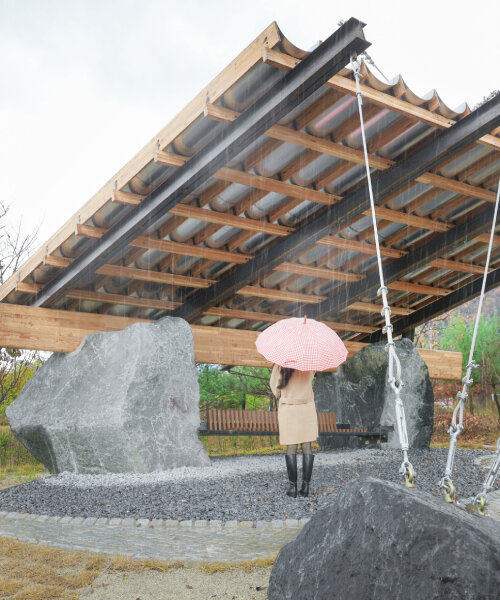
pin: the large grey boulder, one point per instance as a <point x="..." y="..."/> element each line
<point x="123" y="402"/>
<point x="359" y="394"/>
<point x="382" y="541"/>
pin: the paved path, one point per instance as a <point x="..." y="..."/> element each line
<point x="189" y="541"/>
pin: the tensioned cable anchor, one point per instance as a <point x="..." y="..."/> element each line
<point x="480" y="500"/>
<point x="446" y="483"/>
<point x="394" y="378"/>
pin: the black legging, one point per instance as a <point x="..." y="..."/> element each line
<point x="306" y="448"/>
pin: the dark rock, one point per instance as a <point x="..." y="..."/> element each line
<point x="358" y="393"/>
<point x="380" y="541"/>
<point x="123" y="402"/>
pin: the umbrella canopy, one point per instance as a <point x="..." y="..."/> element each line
<point x="302" y="344"/>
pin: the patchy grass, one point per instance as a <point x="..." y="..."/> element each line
<point x="248" y="565"/>
<point x="17" y="465"/>
<point x="12" y="452"/>
<point x="33" y="572"/>
<point x="21" y="474"/>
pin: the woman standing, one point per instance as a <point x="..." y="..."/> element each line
<point x="298" y="422"/>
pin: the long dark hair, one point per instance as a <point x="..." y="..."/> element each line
<point x="285" y="373"/>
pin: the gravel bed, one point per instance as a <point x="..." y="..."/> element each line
<point x="236" y="488"/>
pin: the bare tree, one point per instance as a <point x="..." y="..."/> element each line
<point x="15" y="246"/>
<point x="16" y="366"/>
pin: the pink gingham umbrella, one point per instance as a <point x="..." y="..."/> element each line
<point x="302" y="344"/>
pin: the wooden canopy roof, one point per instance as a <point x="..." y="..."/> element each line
<point x="251" y="205"/>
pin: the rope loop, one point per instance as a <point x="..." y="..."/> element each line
<point x="394" y="374"/>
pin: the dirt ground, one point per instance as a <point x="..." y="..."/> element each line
<point x="182" y="584"/>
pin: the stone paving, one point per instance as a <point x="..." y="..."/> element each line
<point x="189" y="541"/>
<point x="192" y="542"/>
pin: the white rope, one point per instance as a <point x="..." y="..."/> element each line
<point x="394" y="370"/>
<point x="481" y="499"/>
<point x="446" y="483"/>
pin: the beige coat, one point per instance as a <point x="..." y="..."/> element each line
<point x="297" y="418"/>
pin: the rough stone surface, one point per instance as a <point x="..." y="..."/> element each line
<point x="358" y="393"/>
<point x="123" y="402"/>
<point x="385" y="541"/>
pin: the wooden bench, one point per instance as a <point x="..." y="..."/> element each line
<point x="265" y="422"/>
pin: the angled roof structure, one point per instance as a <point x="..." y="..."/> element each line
<point x="251" y="205"/>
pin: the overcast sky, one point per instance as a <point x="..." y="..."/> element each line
<point x="86" y="83"/>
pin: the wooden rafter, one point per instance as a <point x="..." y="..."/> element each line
<point x="213" y="216"/>
<point x="376" y="308"/>
<point x="351" y="155"/>
<point x="249" y="315"/>
<point x="361" y="247"/>
<point x="121" y="299"/>
<point x="272" y="294"/>
<point x="348" y="86"/>
<point x="319" y="272"/>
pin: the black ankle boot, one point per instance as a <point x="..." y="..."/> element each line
<point x="291" y="467"/>
<point x="307" y="467"/>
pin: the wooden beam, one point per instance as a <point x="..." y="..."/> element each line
<point x="268" y="184"/>
<point x="220" y="113"/>
<point x="250" y="315"/>
<point x="465" y="189"/>
<point x="127" y="198"/>
<point x="56" y="261"/>
<point x="169" y="159"/>
<point x="122" y="299"/>
<point x="397" y="216"/>
<point x="212" y="216"/>
<point x="27" y="288"/>
<point x="376" y="308"/>
<point x="455" y="265"/>
<point x="179" y="248"/>
<point x="154" y="276"/>
<point x="285" y="134"/>
<point x="270" y="294"/>
<point x="348" y="86"/>
<point x="63" y="331"/>
<point x="362" y="247"/>
<point x="319" y="272"/>
<point x="442" y="364"/>
<point x="417" y="288"/>
<point x="484" y="238"/>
